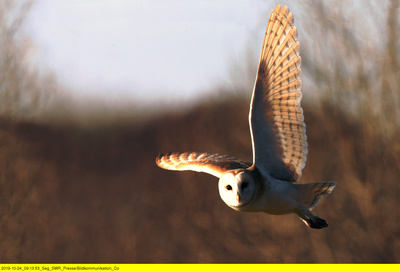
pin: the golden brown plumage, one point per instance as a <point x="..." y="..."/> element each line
<point x="276" y="117"/>
<point x="212" y="164"/>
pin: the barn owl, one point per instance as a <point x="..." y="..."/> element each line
<point x="270" y="183"/>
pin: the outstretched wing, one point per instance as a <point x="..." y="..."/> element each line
<point x="212" y="164"/>
<point x="276" y="117"/>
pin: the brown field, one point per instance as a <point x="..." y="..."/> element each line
<point x="75" y="194"/>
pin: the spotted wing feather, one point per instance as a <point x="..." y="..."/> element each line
<point x="212" y="164"/>
<point x="276" y="117"/>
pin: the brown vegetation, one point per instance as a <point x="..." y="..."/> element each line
<point x="75" y="194"/>
<point x="71" y="194"/>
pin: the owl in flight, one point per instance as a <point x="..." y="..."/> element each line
<point x="278" y="134"/>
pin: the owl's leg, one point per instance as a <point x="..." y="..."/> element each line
<point x="309" y="219"/>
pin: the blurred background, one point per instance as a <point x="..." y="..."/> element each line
<point x="92" y="91"/>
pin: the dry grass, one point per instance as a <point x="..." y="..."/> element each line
<point x="75" y="194"/>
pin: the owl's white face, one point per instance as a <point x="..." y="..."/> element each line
<point x="236" y="188"/>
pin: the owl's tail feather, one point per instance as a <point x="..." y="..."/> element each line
<point x="311" y="193"/>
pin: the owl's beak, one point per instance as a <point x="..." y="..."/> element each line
<point x="238" y="198"/>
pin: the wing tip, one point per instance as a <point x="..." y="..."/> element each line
<point x="164" y="160"/>
<point x="159" y="159"/>
<point x="284" y="10"/>
<point x="171" y="160"/>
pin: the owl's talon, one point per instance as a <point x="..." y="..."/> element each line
<point x="318" y="223"/>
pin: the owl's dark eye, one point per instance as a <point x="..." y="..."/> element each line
<point x="244" y="185"/>
<point x="228" y="187"/>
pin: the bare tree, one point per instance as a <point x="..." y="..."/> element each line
<point x="352" y="57"/>
<point x="22" y="89"/>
